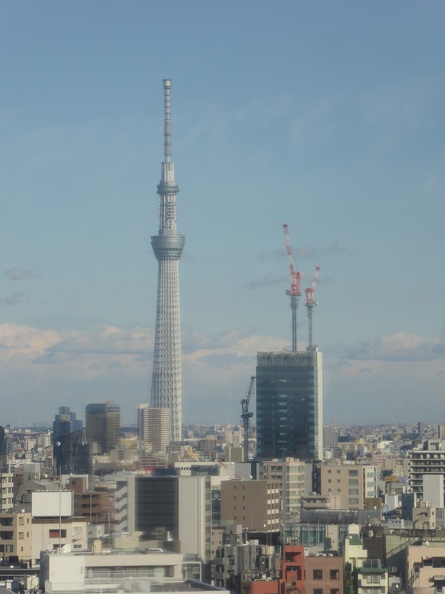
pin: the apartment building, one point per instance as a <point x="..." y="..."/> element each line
<point x="350" y="483"/>
<point x="290" y="475"/>
<point x="429" y="458"/>
<point x="15" y="535"/>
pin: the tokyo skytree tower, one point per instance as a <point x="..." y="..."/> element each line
<point x="167" y="246"/>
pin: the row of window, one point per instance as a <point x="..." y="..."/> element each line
<point x="334" y="574"/>
<point x="351" y="472"/>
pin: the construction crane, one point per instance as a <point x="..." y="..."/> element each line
<point x="311" y="303"/>
<point x="246" y="416"/>
<point x="294" y="291"/>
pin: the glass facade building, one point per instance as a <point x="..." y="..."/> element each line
<point x="289" y="405"/>
<point x="103" y="423"/>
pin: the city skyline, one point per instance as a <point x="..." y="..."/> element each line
<point x="324" y="117"/>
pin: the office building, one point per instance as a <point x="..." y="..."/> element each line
<point x="102" y="426"/>
<point x="255" y="504"/>
<point x="289" y="400"/>
<point x="72" y="454"/>
<point x="175" y="508"/>
<point x="166" y="389"/>
<point x="65" y="422"/>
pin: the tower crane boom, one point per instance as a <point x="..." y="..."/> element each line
<point x="311" y="303"/>
<point x="246" y="416"/>
<point x="294" y="292"/>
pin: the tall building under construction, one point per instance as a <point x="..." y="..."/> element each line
<point x="167" y="246"/>
<point x="289" y="405"/>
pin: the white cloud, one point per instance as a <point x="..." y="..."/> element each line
<point x="399" y="347"/>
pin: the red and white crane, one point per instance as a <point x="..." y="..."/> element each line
<point x="294" y="292"/>
<point x="311" y="303"/>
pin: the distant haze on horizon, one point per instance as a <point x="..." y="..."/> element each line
<point x="326" y="116"/>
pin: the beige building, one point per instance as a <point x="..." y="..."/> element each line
<point x="424" y="565"/>
<point x="7" y="484"/>
<point x="324" y="574"/>
<point x="255" y="504"/>
<point x="351" y="483"/>
<point x="15" y="535"/>
<point x="154" y="427"/>
<point x="289" y="473"/>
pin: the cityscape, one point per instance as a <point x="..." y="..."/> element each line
<point x="253" y="406"/>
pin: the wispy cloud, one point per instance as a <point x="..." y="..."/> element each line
<point x="17" y="273"/>
<point x="14" y="298"/>
<point x="398" y="347"/>
<point x="268" y="280"/>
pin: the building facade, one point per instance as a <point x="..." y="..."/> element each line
<point x="65" y="422"/>
<point x="175" y="508"/>
<point x="427" y="459"/>
<point x="103" y="425"/>
<point x="289" y="405"/>
<point x="290" y="474"/>
<point x="255" y="504"/>
<point x="72" y="454"/>
<point x="154" y="427"/>
<point x="351" y="484"/>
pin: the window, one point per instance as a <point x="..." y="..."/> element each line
<point x="53" y="533"/>
<point x="317" y="591"/>
<point x="317" y="574"/>
<point x="353" y="472"/>
<point x="334" y="574"/>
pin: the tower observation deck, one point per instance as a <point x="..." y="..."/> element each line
<point x="166" y="389"/>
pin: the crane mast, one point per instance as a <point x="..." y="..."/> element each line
<point x="311" y="303"/>
<point x="246" y="416"/>
<point x="294" y="292"/>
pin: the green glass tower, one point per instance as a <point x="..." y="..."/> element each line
<point x="289" y="405"/>
<point x="103" y="425"/>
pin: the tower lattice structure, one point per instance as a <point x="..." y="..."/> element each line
<point x="168" y="245"/>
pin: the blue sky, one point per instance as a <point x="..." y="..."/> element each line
<point x="324" y="115"/>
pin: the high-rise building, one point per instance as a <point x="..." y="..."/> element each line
<point x="103" y="425"/>
<point x="72" y="454"/>
<point x="65" y="422"/>
<point x="168" y="246"/>
<point x="289" y="405"/>
<point x="154" y="427"/>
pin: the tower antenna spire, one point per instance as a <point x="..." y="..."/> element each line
<point x="167" y="121"/>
